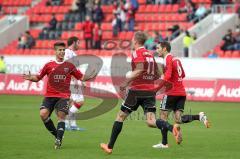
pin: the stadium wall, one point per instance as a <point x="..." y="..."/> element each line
<point x="196" y="68"/>
<point x="225" y="90"/>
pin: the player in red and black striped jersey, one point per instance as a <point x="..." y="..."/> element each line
<point x="59" y="73"/>
<point x="175" y="98"/>
<point x="141" y="92"/>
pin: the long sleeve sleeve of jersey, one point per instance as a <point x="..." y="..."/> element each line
<point x="168" y="68"/>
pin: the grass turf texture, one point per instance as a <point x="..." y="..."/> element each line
<point x="23" y="136"/>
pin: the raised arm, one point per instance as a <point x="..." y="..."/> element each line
<point x="29" y="77"/>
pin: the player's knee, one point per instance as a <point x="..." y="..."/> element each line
<point x="164" y="115"/>
<point x="121" y="116"/>
<point x="178" y="120"/>
<point x="61" y="116"/>
<point x="151" y="123"/>
<point x="43" y="115"/>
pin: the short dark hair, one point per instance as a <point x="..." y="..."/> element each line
<point x="140" y="37"/>
<point x="59" y="44"/>
<point x="71" y="40"/>
<point x="166" y="45"/>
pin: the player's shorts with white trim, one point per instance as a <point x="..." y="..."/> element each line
<point x="59" y="104"/>
<point x="135" y="98"/>
<point x="173" y="103"/>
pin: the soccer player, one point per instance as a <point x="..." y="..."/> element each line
<point x="175" y="98"/>
<point x="77" y="98"/>
<point x="59" y="74"/>
<point x="140" y="92"/>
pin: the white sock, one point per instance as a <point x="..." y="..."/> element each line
<point x="73" y="109"/>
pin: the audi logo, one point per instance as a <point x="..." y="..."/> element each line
<point x="59" y="77"/>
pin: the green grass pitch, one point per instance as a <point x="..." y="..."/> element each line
<point x="23" y="136"/>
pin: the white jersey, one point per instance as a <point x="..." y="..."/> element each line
<point x="76" y="91"/>
<point x="69" y="54"/>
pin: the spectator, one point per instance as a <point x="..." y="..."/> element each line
<point x="117" y="14"/>
<point x="157" y="37"/>
<point x="123" y="16"/>
<point x="30" y="40"/>
<point x="201" y="11"/>
<point x="97" y="36"/>
<point x="53" y="23"/>
<point x="189" y="8"/>
<point x="54" y="2"/>
<point x="175" y="32"/>
<point x="2" y="65"/>
<point x="149" y="43"/>
<point x="187" y="41"/>
<point x="229" y="41"/>
<point x="22" y="41"/>
<point x="74" y="6"/>
<point x="152" y="41"/>
<point x="98" y="15"/>
<point x="130" y="15"/>
<point x="82" y="9"/>
<point x="237" y="33"/>
<point x="88" y="32"/>
<point x="115" y="25"/>
<point x="1" y="10"/>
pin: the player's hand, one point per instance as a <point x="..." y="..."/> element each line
<point x="27" y="76"/>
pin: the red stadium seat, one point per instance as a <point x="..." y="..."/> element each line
<point x="78" y="26"/>
<point x="228" y="54"/>
<point x="236" y="54"/>
<point x="220" y="53"/>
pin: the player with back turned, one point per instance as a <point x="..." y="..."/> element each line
<point x="59" y="74"/>
<point x="174" y="99"/>
<point x="141" y="92"/>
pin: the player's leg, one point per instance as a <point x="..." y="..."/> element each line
<point x="180" y="118"/>
<point x="77" y="102"/>
<point x="150" y="110"/>
<point x="61" y="111"/>
<point x="129" y="105"/>
<point x="164" y="143"/>
<point x="45" y="112"/>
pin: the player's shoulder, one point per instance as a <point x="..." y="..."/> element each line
<point x="141" y="52"/>
<point x="50" y="62"/>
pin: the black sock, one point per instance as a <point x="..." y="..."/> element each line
<point x="163" y="124"/>
<point x="50" y="126"/>
<point x="60" y="130"/>
<point x="117" y="127"/>
<point x="189" y="118"/>
<point x="164" y="136"/>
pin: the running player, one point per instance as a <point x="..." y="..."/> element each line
<point x="59" y="74"/>
<point x="175" y="98"/>
<point x="76" y="99"/>
<point x="141" y="92"/>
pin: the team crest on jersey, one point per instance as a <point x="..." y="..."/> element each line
<point x="66" y="69"/>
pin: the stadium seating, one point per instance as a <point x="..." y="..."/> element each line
<point x="148" y="17"/>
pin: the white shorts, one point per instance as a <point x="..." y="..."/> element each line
<point x="76" y="93"/>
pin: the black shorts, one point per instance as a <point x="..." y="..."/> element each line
<point x="174" y="103"/>
<point x="135" y="98"/>
<point x="51" y="103"/>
